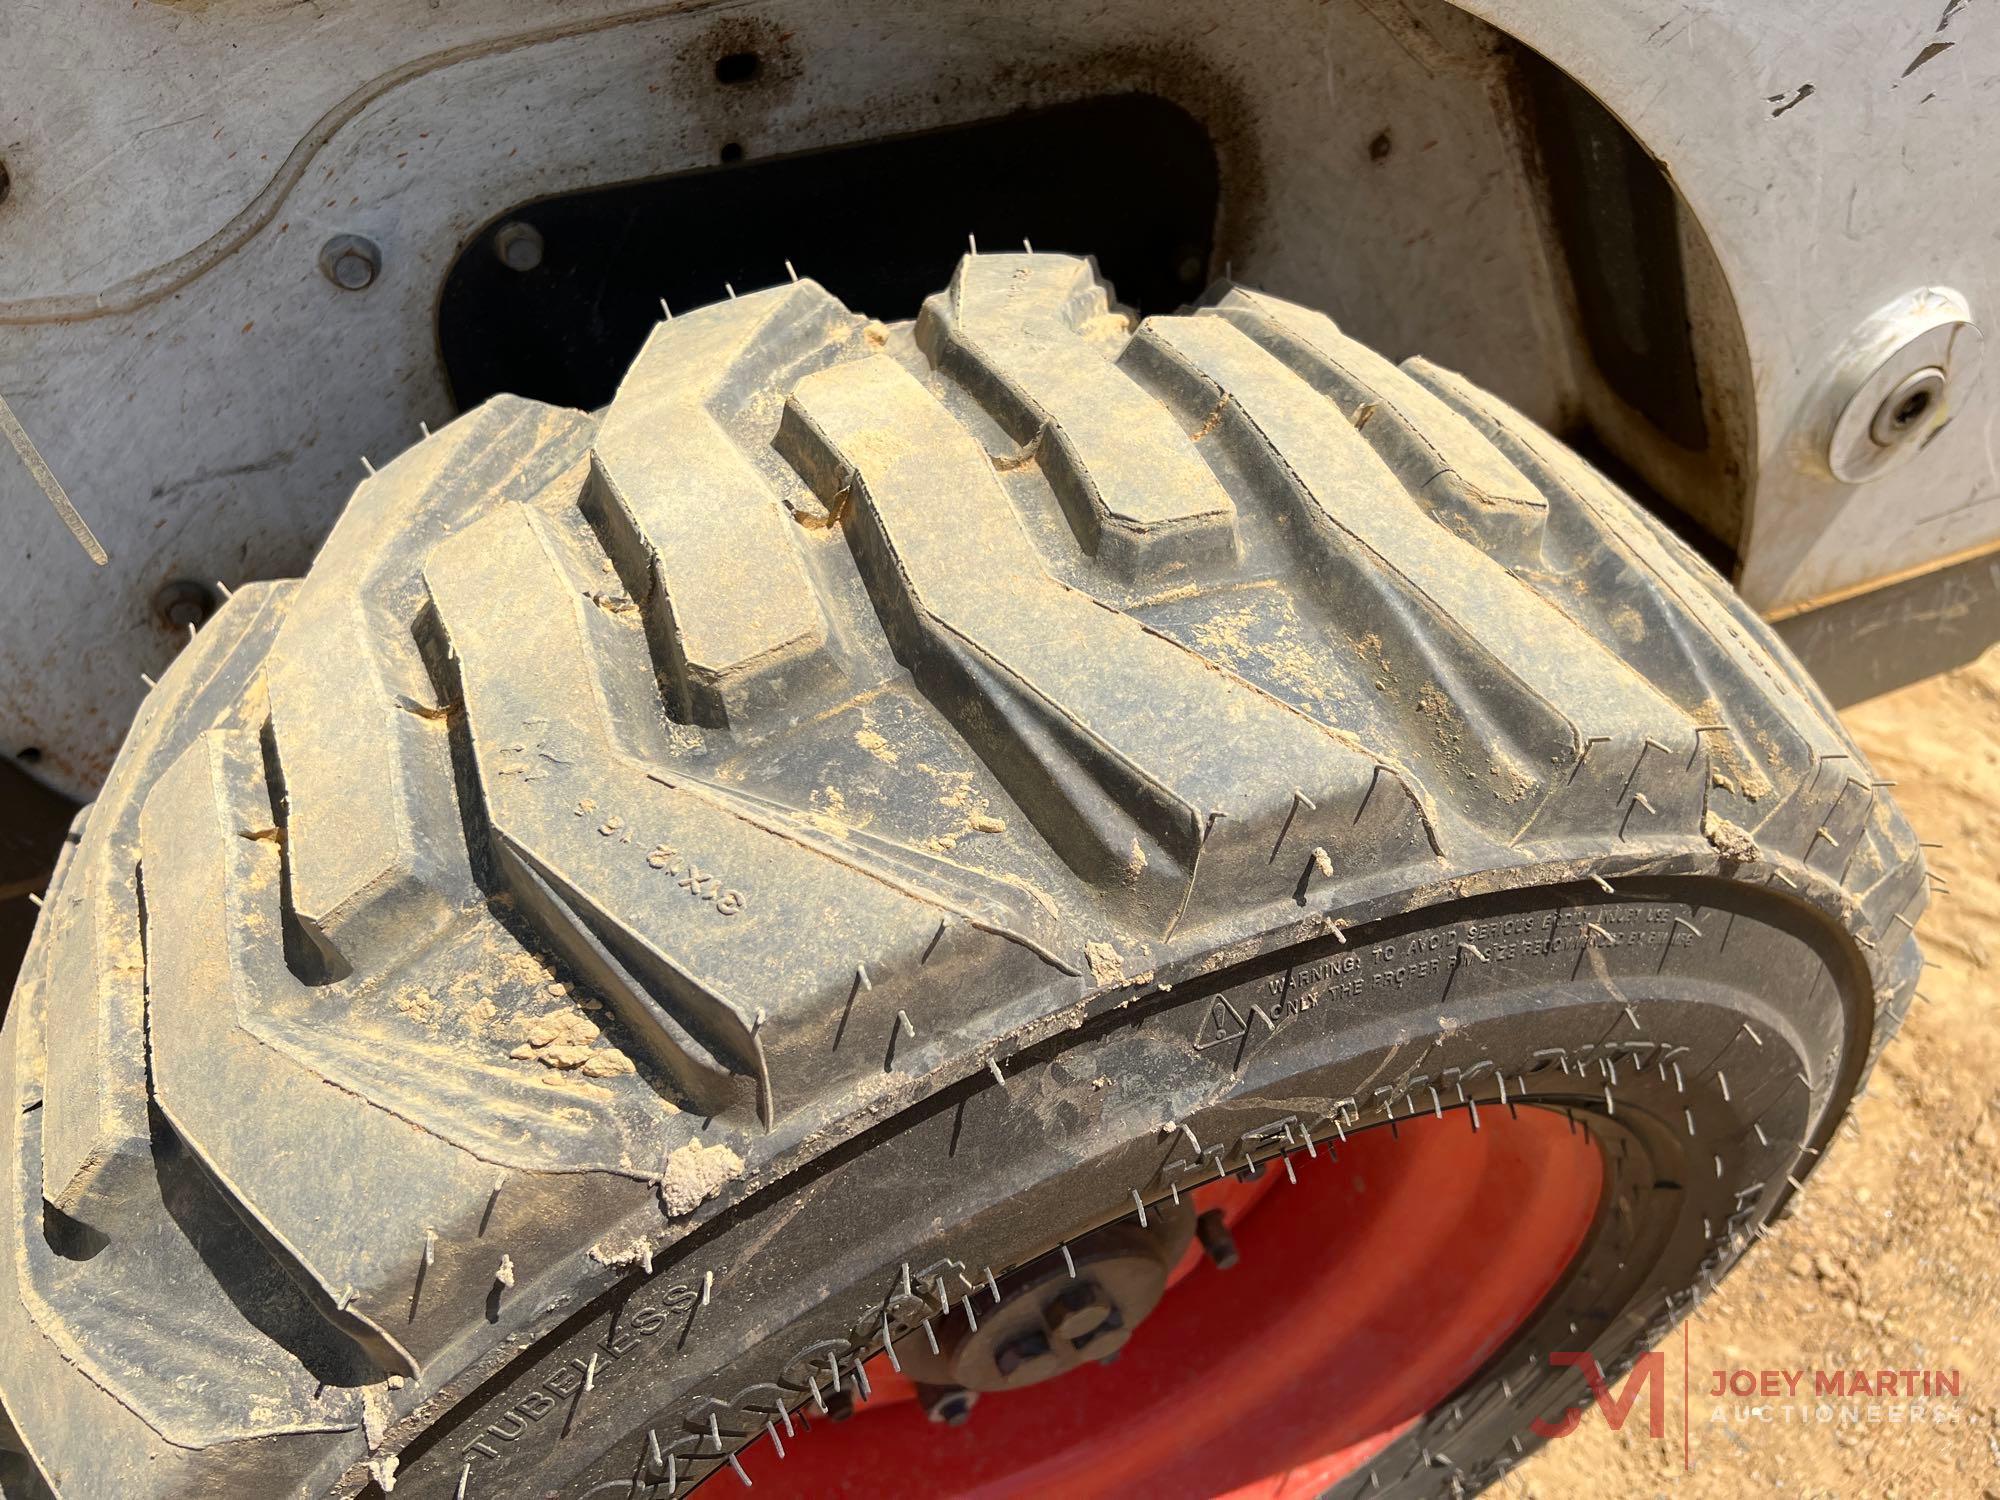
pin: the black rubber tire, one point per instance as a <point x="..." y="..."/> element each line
<point x="843" y="808"/>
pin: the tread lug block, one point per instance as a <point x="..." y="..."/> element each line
<point x="1525" y="729"/>
<point x="1455" y="472"/>
<point x="1033" y="338"/>
<point x="1141" y="791"/>
<point x="731" y="945"/>
<point x="96" y="1137"/>
<point x="240" y="1092"/>
<point x="1762" y="733"/>
<point x="505" y="449"/>
<point x="342" y="737"/>
<point x="698" y="534"/>
<point x="1821" y="823"/>
<point x="88" y="1325"/>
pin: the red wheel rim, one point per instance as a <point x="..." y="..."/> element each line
<point x="1365" y="1295"/>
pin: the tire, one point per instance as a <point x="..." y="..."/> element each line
<point x="860" y="802"/>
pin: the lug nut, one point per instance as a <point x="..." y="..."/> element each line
<point x="350" y="261"/>
<point x="1213" y="1232"/>
<point x="1023" y="1349"/>
<point x="947" y="1404"/>
<point x="1078" y="1311"/>
<point x="518" y="245"/>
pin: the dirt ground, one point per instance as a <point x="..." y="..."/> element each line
<point x="1890" y="1260"/>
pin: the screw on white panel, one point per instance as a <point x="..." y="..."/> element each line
<point x="790" y="272"/>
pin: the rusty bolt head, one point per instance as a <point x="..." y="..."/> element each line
<point x="350" y="262"/>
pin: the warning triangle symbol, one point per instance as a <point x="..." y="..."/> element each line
<point x="1221" y="1024"/>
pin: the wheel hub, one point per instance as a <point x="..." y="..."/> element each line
<point x="1057" y="1313"/>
